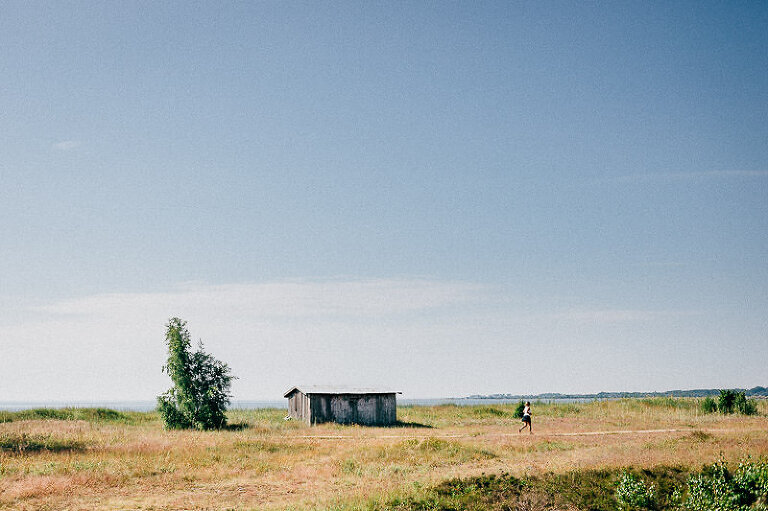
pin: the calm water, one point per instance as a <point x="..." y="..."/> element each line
<point x="145" y="406"/>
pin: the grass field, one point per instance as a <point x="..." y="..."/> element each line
<point x="101" y="459"/>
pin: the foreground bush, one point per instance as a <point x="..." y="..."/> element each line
<point x="716" y="488"/>
<point x="200" y="395"/>
<point x="633" y="494"/>
<point x="658" y="489"/>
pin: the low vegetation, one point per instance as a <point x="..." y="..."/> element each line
<point x="728" y="402"/>
<point x="84" y="414"/>
<point x="714" y="488"/>
<point x="601" y="455"/>
<point x="519" y="410"/>
<point x="23" y="443"/>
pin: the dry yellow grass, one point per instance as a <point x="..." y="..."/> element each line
<point x="272" y="464"/>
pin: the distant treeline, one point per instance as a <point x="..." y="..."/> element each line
<point x="753" y="392"/>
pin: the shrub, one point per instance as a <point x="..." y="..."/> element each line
<point x="632" y="494"/>
<point x="716" y="488"/>
<point x="726" y="401"/>
<point x="731" y="401"/>
<point x="200" y="393"/>
<point x="519" y="410"/>
<point x="745" y="406"/>
<point x="709" y="405"/>
<point x="752" y="476"/>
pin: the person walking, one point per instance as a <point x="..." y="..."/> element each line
<point x="526" y="418"/>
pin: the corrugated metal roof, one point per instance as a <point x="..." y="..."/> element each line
<point x="328" y="389"/>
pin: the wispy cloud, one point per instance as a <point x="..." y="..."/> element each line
<point x="66" y="145"/>
<point x="292" y="299"/>
<point x="426" y="337"/>
<point x="273" y="334"/>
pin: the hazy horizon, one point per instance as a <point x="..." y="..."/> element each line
<point x="403" y="397"/>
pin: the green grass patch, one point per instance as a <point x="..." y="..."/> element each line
<point x="659" y="403"/>
<point x="262" y="419"/>
<point x="715" y="487"/>
<point x="593" y="490"/>
<point x="558" y="409"/>
<point x="489" y="411"/>
<point x="255" y="446"/>
<point x="23" y="443"/>
<point x="449" y="449"/>
<point x="668" y="402"/>
<point x="75" y="414"/>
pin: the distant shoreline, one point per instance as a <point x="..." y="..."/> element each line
<point x="237" y="404"/>
<point x="753" y="392"/>
<point x="245" y="404"/>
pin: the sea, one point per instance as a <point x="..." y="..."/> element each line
<point x="146" y="406"/>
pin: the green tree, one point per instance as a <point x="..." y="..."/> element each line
<point x="200" y="392"/>
<point x="726" y="401"/>
<point x="709" y="405"/>
<point x="743" y="405"/>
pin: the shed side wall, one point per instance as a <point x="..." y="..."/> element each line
<point x="320" y="407"/>
<point x="366" y="409"/>
<point x="387" y="409"/>
<point x="298" y="406"/>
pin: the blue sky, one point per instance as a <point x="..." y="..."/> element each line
<point x="449" y="198"/>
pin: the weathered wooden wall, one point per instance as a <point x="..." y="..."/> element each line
<point x="298" y="406"/>
<point x="370" y="409"/>
<point x="366" y="409"/>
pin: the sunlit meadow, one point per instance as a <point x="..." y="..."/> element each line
<point x="100" y="459"/>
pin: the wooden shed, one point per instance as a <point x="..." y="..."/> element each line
<point x="369" y="407"/>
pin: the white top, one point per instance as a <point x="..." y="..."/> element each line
<point x="527" y="410"/>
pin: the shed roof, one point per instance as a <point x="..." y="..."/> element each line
<point x="327" y="389"/>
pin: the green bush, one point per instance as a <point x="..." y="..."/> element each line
<point x="726" y="401"/>
<point x="731" y="401"/>
<point x="519" y="410"/>
<point x="709" y="405"/>
<point x="745" y="406"/>
<point x="200" y="395"/>
<point x="716" y="488"/>
<point x="632" y="494"/>
<point x="753" y="477"/>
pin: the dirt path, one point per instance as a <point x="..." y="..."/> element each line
<point x="523" y="435"/>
